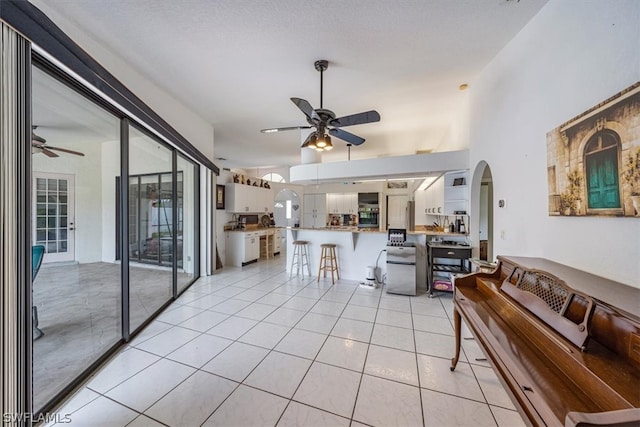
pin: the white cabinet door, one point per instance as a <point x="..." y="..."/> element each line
<point x="334" y="202"/>
<point x="351" y="203"/>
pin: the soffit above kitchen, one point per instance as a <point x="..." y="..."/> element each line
<point x="237" y="63"/>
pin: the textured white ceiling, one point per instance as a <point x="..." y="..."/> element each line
<point x="237" y="63"/>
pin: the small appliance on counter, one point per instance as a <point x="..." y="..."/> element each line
<point x="401" y="263"/>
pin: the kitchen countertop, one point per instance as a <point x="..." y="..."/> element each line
<point x="365" y="230"/>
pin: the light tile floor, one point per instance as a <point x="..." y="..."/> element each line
<point x="249" y="347"/>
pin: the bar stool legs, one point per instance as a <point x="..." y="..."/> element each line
<point x="300" y="258"/>
<point x="328" y="261"/>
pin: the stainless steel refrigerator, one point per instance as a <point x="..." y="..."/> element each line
<point x="410" y="216"/>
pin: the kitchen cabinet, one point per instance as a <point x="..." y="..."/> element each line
<point x="434" y="198"/>
<point x="277" y="241"/>
<point x="242" y="198"/>
<point x="314" y="210"/>
<point x="342" y="203"/>
<point x="242" y="247"/>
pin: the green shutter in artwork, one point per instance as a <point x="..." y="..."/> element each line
<point x="602" y="180"/>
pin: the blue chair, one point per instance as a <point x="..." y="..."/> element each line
<point x="37" y="253"/>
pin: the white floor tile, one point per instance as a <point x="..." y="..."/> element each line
<point x="191" y="402"/>
<point x="279" y="373"/>
<point x="102" y="412"/>
<point x="285" y="316"/>
<point x="435" y="375"/>
<point x="167" y="341"/>
<point x="236" y="361"/>
<point x="206" y="301"/>
<point x="435" y="344"/>
<point x="204" y="321"/>
<point x="200" y="350"/>
<point x="298" y="415"/>
<point x="265" y="335"/>
<point x="151" y="330"/>
<point x="314" y="293"/>
<point x="77" y="401"/>
<point x="146" y="387"/>
<point x="506" y="417"/>
<point x="492" y="388"/>
<point x="344" y="353"/>
<point x="178" y="314"/>
<point x="230" y="306"/>
<point x="248" y="407"/>
<point x="437" y="325"/>
<point x="337" y="296"/>
<point x="431" y="307"/>
<point x="232" y="328"/>
<point x="353" y="329"/>
<point x="251" y="295"/>
<point x="391" y="336"/>
<point x="330" y="388"/>
<point x="229" y="292"/>
<point x="330" y="308"/>
<point x="358" y="312"/>
<point x="256" y="311"/>
<point x="392" y="364"/>
<point x="384" y="403"/>
<point x="299" y="303"/>
<point x="302" y="343"/>
<point x="144" y="421"/>
<point x="396" y="304"/>
<point x="123" y="366"/>
<point x="445" y="410"/>
<point x="274" y="299"/>
<point x="394" y="318"/>
<point x="317" y="323"/>
<point x="365" y="300"/>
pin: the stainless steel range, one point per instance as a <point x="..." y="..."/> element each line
<point x="401" y="263"/>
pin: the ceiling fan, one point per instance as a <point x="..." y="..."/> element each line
<point x="38" y="146"/>
<point x="324" y="121"/>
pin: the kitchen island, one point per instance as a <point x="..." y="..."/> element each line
<point x="356" y="250"/>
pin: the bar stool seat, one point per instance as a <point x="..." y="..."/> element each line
<point x="300" y="258"/>
<point x="328" y="261"/>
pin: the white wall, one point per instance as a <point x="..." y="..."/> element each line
<point x="573" y="55"/>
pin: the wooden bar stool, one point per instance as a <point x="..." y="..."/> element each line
<point x="328" y="261"/>
<point x="300" y="258"/>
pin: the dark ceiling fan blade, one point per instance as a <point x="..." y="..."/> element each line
<point x="37" y="138"/>
<point x="42" y="149"/>
<point x="346" y="136"/>
<point x="356" y="119"/>
<point x="272" y="130"/>
<point x="304" y="106"/>
<point x="64" y="150"/>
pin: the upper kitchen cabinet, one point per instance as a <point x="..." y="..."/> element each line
<point x="241" y="198"/>
<point x="314" y="210"/>
<point x="456" y="193"/>
<point x="434" y="198"/>
<point x="342" y="203"/>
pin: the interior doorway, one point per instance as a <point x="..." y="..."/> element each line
<point x="286" y="211"/>
<point x="482" y="202"/>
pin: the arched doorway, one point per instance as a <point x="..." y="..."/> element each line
<point x="286" y="211"/>
<point x="601" y="164"/>
<point x="481" y="221"/>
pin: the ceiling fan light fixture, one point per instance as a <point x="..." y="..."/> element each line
<point x="322" y="141"/>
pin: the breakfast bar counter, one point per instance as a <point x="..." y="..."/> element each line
<point x="356" y="250"/>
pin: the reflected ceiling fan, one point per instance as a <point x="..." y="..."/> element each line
<point x="324" y="121"/>
<point x="38" y="145"/>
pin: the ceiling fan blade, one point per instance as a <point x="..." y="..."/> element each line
<point x="346" y="136"/>
<point x="356" y="119"/>
<point x="272" y="130"/>
<point x="304" y="106"/>
<point x="39" y="148"/>
<point x="37" y="138"/>
<point x="64" y="150"/>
